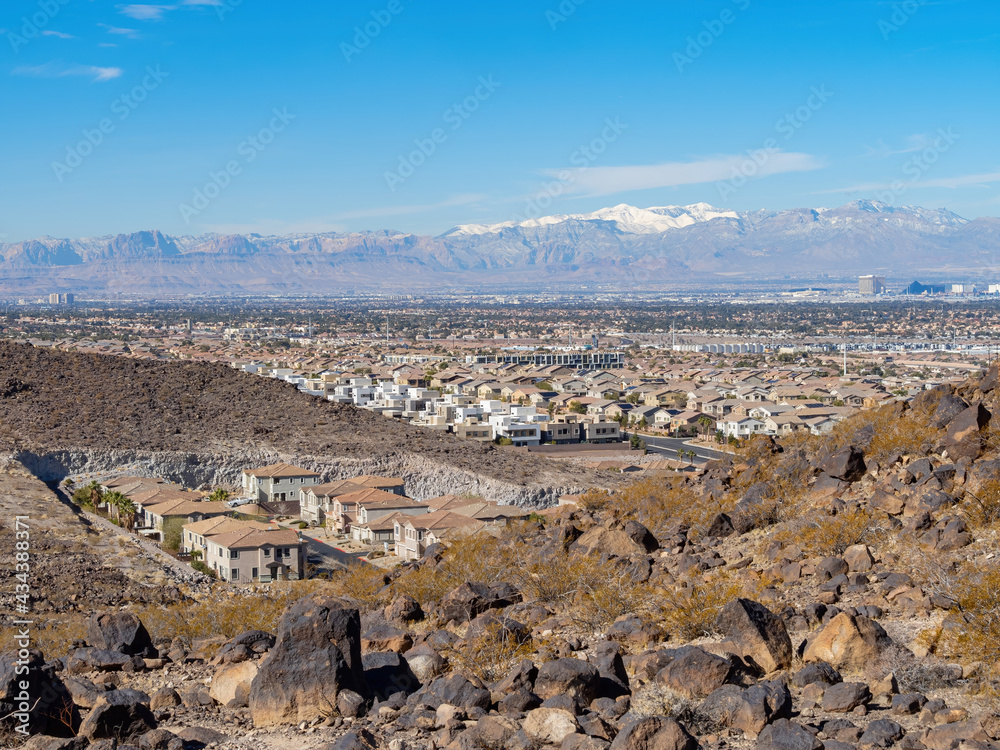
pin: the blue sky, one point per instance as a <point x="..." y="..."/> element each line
<point x="192" y="116"/>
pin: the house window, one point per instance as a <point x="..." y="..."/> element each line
<point x="253" y="573"/>
<point x="236" y="574"/>
<point x="234" y="554"/>
<point x="267" y="552"/>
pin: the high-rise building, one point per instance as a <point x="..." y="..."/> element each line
<point x="57" y="298"/>
<point x="54" y="298"/>
<point x="871" y="284"/>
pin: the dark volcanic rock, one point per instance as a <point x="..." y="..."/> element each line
<point x="317" y="654"/>
<point x="757" y="634"/>
<point x="120" y="631"/>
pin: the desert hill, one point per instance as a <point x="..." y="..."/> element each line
<point x="67" y="413"/>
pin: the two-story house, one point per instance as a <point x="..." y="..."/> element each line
<point x="252" y="554"/>
<point x="277" y="482"/>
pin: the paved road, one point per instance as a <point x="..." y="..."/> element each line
<point x="668" y="447"/>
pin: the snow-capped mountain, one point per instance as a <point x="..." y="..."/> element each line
<point x="624" y="217"/>
<point x="620" y="245"/>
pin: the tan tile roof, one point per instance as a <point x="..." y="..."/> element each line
<point x="376" y="498"/>
<point x="441" y="521"/>
<point x="277" y="470"/>
<point x="223" y="525"/>
<point x="187" y="508"/>
<point x="335" y="489"/>
<point x="370" y="480"/>
<point x="254" y="539"/>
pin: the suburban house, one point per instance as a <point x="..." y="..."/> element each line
<point x="277" y="482"/>
<point x="252" y="554"/>
<point x="413" y="534"/>
<point x="152" y="516"/>
<point x="394" y="485"/>
<point x="363" y="506"/>
<point x="742" y="427"/>
<point x="195" y="534"/>
<point x="314" y="501"/>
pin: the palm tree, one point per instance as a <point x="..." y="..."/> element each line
<point x="705" y="423"/>
<point x="128" y="511"/>
<point x="116" y="501"/>
<point x="219" y="494"/>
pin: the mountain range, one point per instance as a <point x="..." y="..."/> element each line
<point x="622" y="246"/>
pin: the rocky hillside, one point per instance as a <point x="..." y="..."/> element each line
<point x="69" y="413"/>
<point x="824" y="594"/>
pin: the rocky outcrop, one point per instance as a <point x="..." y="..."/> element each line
<point x="317" y="655"/>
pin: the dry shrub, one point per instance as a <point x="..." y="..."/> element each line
<point x="491" y="654"/>
<point x="974" y="630"/>
<point x="606" y="592"/>
<point x="658" y="505"/>
<point x="832" y="535"/>
<point x="54" y="638"/>
<point x="655" y="699"/>
<point x="689" y="612"/>
<point x="226" y="616"/>
<point x="595" y="499"/>
<point x="363" y="584"/>
<point x="982" y="507"/>
<point x="476" y="557"/>
<point x="892" y="433"/>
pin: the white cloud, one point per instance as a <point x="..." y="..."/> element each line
<point x="916" y="142"/>
<point x="984" y="179"/>
<point x="58" y="34"/>
<point x="130" y="33"/>
<point x="595" y="181"/>
<point x="58" y="69"/>
<point x="145" y="12"/>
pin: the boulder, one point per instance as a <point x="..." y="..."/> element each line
<point x="404" y="609"/>
<point x="847" y="464"/>
<point x="165" y="697"/>
<point x="196" y="738"/>
<point x="55" y="715"/>
<point x="845" y="696"/>
<point x="695" y="673"/>
<point x="859" y="558"/>
<point x="757" y="634"/>
<point x="964" y="437"/>
<point x="617" y="539"/>
<point x="317" y="654"/>
<point x="245" y="646"/>
<point x="454" y="690"/>
<point x="787" y="735"/>
<point x="654" y="733"/>
<point x="232" y="682"/>
<point x="748" y="710"/>
<point x="119" y="714"/>
<point x="425" y="662"/>
<point x="120" y="631"/>
<point x="160" y="739"/>
<point x="386" y="638"/>
<point x="550" y="725"/>
<point x="948" y="407"/>
<point x="847" y="641"/>
<point x="817" y="672"/>
<point x="84" y="660"/>
<point x="572" y="677"/>
<point x="470" y="599"/>
<point x="881" y="733"/>
<point x="722" y="525"/>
